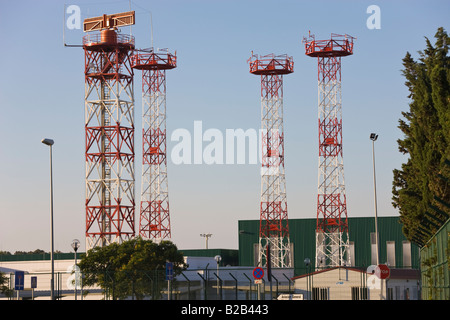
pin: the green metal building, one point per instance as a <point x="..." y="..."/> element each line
<point x="229" y="256"/>
<point x="395" y="249"/>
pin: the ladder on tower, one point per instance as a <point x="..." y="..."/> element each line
<point x="107" y="161"/>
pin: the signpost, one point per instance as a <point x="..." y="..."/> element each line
<point x="169" y="277"/>
<point x="258" y="274"/>
<point x="33" y="282"/>
<point x="19" y="281"/>
<point x="33" y="286"/>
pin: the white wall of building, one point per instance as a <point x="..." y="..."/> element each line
<point x="64" y="278"/>
<point x="348" y="284"/>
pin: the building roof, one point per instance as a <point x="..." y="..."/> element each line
<point x="395" y="273"/>
<point x="405" y="274"/>
<point x="9" y="270"/>
<point x="327" y="270"/>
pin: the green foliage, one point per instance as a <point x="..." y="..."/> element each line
<point x="4" y="288"/>
<point x="37" y="251"/>
<point x="134" y="268"/>
<point x="421" y="189"/>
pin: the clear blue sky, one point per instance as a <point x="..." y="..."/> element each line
<point x="42" y="95"/>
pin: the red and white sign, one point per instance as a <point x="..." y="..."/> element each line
<point x="382" y="271"/>
<point x="258" y="273"/>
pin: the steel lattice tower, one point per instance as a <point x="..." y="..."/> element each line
<point x="109" y="130"/>
<point x="274" y="229"/>
<point x="332" y="241"/>
<point x="154" y="222"/>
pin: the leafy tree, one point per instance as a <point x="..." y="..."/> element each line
<point x="4" y="285"/>
<point x="421" y="189"/>
<point x="37" y="251"/>
<point x="134" y="268"/>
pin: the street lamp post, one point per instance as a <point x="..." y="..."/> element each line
<point x="307" y="262"/>
<point x="50" y="142"/>
<point x="218" y="259"/>
<point x="206" y="236"/>
<point x="374" y="137"/>
<point x="75" y="246"/>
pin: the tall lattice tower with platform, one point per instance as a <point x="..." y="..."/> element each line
<point x="154" y="221"/>
<point x="332" y="237"/>
<point x="109" y="130"/>
<point x="274" y="239"/>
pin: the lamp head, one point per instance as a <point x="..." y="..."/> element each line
<point x="75" y="244"/>
<point x="207" y="235"/>
<point x="48" y="142"/>
<point x="373" y="136"/>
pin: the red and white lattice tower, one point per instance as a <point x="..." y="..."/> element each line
<point x="332" y="240"/>
<point x="109" y="130"/>
<point x="274" y="229"/>
<point x="154" y="220"/>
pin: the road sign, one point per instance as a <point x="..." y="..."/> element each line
<point x="169" y="271"/>
<point x="33" y="282"/>
<point x="258" y="273"/>
<point x="383" y="271"/>
<point x="19" y="280"/>
<point x="297" y="296"/>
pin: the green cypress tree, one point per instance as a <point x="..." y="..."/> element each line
<point x="421" y="189"/>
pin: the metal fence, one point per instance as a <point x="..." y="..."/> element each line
<point x="435" y="271"/>
<point x="226" y="283"/>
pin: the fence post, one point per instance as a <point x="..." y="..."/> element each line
<point x="264" y="289"/>
<point x="219" y="289"/>
<point x="289" y="281"/>
<point x="204" y="285"/>
<point x="276" y="294"/>
<point x="249" y="280"/>
<point x="236" y="286"/>
<point x="189" y="285"/>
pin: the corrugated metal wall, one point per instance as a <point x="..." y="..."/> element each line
<point x="302" y="233"/>
<point x="229" y="256"/>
